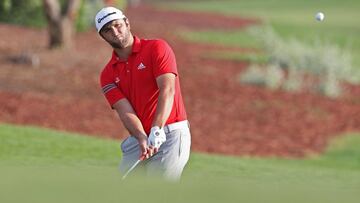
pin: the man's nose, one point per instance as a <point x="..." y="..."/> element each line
<point x="115" y="31"/>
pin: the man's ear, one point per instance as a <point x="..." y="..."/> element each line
<point x="102" y="36"/>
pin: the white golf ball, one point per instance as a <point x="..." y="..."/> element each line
<point x="319" y="16"/>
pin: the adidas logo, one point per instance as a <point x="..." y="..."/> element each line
<point x="141" y="66"/>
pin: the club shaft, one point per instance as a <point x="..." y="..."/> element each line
<point x="131" y="168"/>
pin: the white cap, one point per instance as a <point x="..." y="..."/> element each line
<point x="106" y="15"/>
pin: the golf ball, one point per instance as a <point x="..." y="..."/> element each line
<point x="319" y="16"/>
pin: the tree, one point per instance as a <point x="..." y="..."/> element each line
<point x="61" y="21"/>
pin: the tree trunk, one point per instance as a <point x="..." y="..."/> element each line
<point x="61" y="22"/>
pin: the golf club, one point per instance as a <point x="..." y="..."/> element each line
<point x="142" y="158"/>
<point x="131" y="168"/>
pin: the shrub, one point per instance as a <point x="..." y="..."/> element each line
<point x="86" y="14"/>
<point x="271" y="76"/>
<point x="322" y="65"/>
<point x="23" y="12"/>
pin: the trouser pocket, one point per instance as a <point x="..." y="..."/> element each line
<point x="129" y="145"/>
<point x="185" y="143"/>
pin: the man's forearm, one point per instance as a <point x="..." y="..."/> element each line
<point x="130" y="120"/>
<point x="133" y="125"/>
<point x="164" y="107"/>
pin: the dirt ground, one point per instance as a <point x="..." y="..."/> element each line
<point x="60" y="90"/>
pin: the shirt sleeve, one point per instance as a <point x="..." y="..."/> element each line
<point x="163" y="59"/>
<point x="110" y="90"/>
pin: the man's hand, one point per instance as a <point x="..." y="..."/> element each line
<point x="156" y="138"/>
<point x="146" y="151"/>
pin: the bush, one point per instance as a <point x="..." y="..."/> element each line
<point x="271" y="76"/>
<point x="22" y="12"/>
<point x="86" y="14"/>
<point x="320" y="66"/>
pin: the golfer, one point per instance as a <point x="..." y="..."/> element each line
<point x="141" y="83"/>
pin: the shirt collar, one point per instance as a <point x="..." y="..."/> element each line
<point x="136" y="47"/>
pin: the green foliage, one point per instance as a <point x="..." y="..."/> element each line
<point x="327" y="65"/>
<point x="31" y="13"/>
<point x="86" y="14"/>
<point x="271" y="76"/>
<point x="23" y="12"/>
<point x="290" y="18"/>
<point x="301" y="46"/>
<point x="88" y="10"/>
<point x="121" y="4"/>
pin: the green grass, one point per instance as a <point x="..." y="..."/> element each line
<point x="29" y="146"/>
<point x="235" y="38"/>
<point x="239" y="56"/>
<point x="290" y="18"/>
<point x="42" y="165"/>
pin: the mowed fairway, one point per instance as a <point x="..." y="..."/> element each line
<point x="290" y="18"/>
<point x="40" y="165"/>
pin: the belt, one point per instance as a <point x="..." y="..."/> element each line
<point x="175" y="126"/>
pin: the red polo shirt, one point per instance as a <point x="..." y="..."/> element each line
<point x="135" y="80"/>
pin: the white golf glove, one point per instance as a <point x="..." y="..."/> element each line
<point x="157" y="137"/>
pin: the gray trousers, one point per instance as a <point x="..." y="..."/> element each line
<point x="168" y="162"/>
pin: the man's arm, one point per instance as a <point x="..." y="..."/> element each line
<point x="132" y="123"/>
<point x="166" y="84"/>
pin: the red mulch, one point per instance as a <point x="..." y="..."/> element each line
<point x="226" y="117"/>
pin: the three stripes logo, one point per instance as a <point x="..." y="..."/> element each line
<point x="107" y="88"/>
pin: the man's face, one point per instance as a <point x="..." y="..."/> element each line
<point x="117" y="33"/>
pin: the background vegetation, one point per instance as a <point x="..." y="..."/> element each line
<point x="31" y="12"/>
<point x="296" y="40"/>
<point x="42" y="165"/>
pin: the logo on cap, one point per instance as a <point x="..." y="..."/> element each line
<point x="107" y="15"/>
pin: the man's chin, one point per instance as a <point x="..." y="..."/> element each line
<point x="117" y="45"/>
